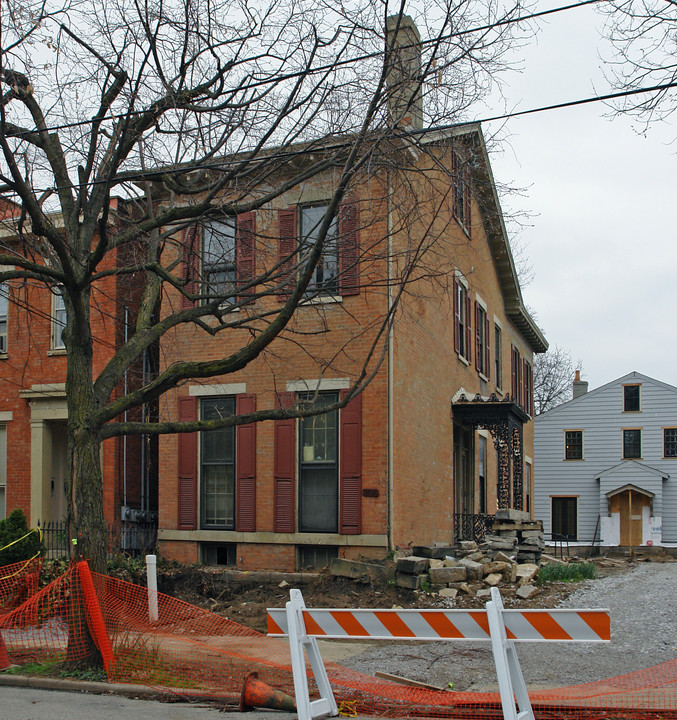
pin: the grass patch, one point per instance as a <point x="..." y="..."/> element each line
<point x="570" y="572"/>
<point x="59" y="669"/>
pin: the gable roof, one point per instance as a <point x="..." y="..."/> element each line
<point x="641" y="467"/>
<point x="632" y="377"/>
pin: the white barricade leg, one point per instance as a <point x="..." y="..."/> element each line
<point x="298" y="642"/>
<point x="510" y="679"/>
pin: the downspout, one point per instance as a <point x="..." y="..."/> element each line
<point x="391" y="336"/>
<point x="124" y="437"/>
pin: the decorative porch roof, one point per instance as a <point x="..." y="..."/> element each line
<point x="634" y="488"/>
<point x="487" y="411"/>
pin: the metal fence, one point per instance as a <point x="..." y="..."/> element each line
<point x="469" y="526"/>
<point x="132" y="539"/>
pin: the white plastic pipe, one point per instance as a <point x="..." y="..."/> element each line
<point x="151" y="575"/>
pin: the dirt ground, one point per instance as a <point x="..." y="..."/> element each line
<point x="240" y="598"/>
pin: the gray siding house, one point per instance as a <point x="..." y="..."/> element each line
<point x="606" y="464"/>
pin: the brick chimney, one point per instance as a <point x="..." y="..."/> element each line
<point x="405" y="107"/>
<point x="580" y="387"/>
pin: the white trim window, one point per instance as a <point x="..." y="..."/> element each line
<point x="58" y="319"/>
<point x="4" y="310"/>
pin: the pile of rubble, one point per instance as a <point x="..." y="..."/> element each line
<point x="511" y="554"/>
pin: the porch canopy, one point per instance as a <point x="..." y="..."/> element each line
<point x="504" y="419"/>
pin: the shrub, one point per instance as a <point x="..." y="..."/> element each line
<point x="15" y="527"/>
<point x="570" y="572"/>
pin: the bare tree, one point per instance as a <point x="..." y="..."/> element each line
<point x="197" y="112"/>
<point x="642" y="34"/>
<point x="554" y="373"/>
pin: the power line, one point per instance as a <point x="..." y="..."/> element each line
<point x="340" y="63"/>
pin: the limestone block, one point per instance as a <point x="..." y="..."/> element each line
<point x="469" y="545"/>
<point x="502" y="557"/>
<point x="527" y="591"/>
<point x="526" y="570"/>
<point x="412" y="565"/>
<point x="484" y="593"/>
<point x="448" y="592"/>
<point x="495" y="567"/>
<point x="435" y="563"/>
<point x="474" y="569"/>
<point x="510" y="514"/>
<point x="446" y="575"/>
<point x="438" y="552"/>
<point x="493" y="579"/>
<point x="354" y="569"/>
<point x="408" y="581"/>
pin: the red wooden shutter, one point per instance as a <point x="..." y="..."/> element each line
<point x="349" y="248"/>
<point x="187" y="461"/>
<point x="478" y="337"/>
<point x="191" y="264"/>
<point x="457" y="319"/>
<point x="286" y="250"/>
<point x="350" y="471"/>
<point x="246" y="249"/>
<point x="284" y="470"/>
<point x="513" y="373"/>
<point x="531" y="390"/>
<point x="245" y="448"/>
<point x="487" y="348"/>
<point x="468" y="326"/>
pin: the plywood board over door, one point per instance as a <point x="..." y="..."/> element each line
<point x="630" y="504"/>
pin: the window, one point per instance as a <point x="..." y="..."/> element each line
<point x="482" y="473"/>
<point x="219" y="553"/>
<point x="218" y="258"/>
<point x="631" y="398"/>
<point x="316" y="557"/>
<point x="3" y="471"/>
<point x="462" y="329"/>
<point x="318" y="467"/>
<point x="498" y="350"/>
<point x="326" y="274"/>
<point x="632" y="443"/>
<point x="573" y="444"/>
<point x="482" y="357"/>
<point x="58" y="319"/>
<point x="527" y="487"/>
<point x="4" y="308"/>
<point x="564" y="518"/>
<point x="462" y="186"/>
<point x="516" y="372"/>
<point x="669" y="442"/>
<point x="217" y="467"/>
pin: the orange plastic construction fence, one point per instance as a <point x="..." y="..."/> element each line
<point x="193" y="653"/>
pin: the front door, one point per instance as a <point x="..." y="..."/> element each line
<point x="59" y="470"/>
<point x="630" y="506"/>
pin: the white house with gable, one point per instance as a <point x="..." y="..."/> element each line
<point x="606" y="464"/>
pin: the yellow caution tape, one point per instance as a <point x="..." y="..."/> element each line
<point x="21" y="569"/>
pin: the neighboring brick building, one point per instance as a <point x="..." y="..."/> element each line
<point x="33" y="411"/>
<point x="413" y="458"/>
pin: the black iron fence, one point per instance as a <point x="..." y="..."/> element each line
<point x="560" y="544"/>
<point x="469" y="526"/>
<point x="134" y="539"/>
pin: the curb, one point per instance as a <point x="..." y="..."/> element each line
<point x="98" y="688"/>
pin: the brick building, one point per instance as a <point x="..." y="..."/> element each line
<point x="33" y="411"/>
<point x="440" y="437"/>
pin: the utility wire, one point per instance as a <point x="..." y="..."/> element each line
<point x="341" y="63"/>
<point x="278" y="155"/>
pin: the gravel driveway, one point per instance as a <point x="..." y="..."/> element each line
<point x="643" y="605"/>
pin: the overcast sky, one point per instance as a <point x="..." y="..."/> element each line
<point x="603" y="238"/>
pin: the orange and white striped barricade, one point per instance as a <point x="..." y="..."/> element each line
<point x="503" y="628"/>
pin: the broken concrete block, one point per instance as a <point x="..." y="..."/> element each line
<point x="493" y="579"/>
<point x="469" y="545"/>
<point x="502" y="557"/>
<point x="438" y="552"/>
<point x="527" y="591"/>
<point x="448" y="592"/>
<point x="526" y="570"/>
<point x="484" y="593"/>
<point x="446" y="575"/>
<point x="436" y="563"/>
<point x="473" y="569"/>
<point x="354" y="569"/>
<point x="510" y="514"/>
<point x="412" y="565"/>
<point x="409" y="581"/>
<point x="495" y="567"/>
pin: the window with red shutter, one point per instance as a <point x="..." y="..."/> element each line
<point x="462" y="320"/>
<point x="350" y="491"/>
<point x="245" y="490"/>
<point x="187" y="466"/>
<point x="284" y="469"/>
<point x="217" y="466"/>
<point x="349" y="248"/>
<point x="246" y="250"/>
<point x="286" y="252"/>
